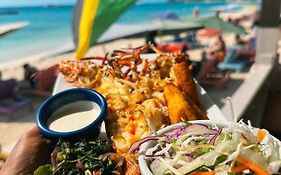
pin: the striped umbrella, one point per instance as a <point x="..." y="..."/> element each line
<point x="91" y="18"/>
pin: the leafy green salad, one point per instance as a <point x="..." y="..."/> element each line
<point x="83" y="157"/>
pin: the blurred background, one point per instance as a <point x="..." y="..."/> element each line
<point x="35" y="35"/>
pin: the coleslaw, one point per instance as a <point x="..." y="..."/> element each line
<point x="208" y="149"/>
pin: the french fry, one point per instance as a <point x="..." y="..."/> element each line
<point x="200" y="113"/>
<point x="178" y="107"/>
<point x="184" y="80"/>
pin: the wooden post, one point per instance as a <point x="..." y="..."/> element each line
<point x="267" y="33"/>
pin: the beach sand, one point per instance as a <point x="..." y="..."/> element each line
<point x="10" y="131"/>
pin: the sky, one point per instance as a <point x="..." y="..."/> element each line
<point x="17" y="3"/>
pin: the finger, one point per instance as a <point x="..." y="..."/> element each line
<point x="34" y="131"/>
<point x="31" y="151"/>
<point x="35" y="134"/>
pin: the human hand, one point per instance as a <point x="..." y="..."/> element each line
<point x="31" y="151"/>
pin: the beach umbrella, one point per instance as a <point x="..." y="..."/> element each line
<point x="219" y="24"/>
<point x="165" y="27"/>
<point x="214" y="22"/>
<point x="117" y="31"/>
<point x="91" y="18"/>
<point x="171" y="27"/>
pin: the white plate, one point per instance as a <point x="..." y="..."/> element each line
<point x="213" y="112"/>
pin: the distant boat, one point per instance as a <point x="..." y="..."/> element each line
<point x="52" y="6"/>
<point x="7" y="28"/>
<point x="9" y="12"/>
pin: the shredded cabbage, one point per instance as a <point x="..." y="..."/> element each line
<point x="185" y="152"/>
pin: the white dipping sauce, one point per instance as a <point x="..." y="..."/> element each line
<point x="74" y="116"/>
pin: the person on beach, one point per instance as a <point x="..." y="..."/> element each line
<point x="218" y="50"/>
<point x="196" y="11"/>
<point x="31" y="151"/>
<point x="29" y="72"/>
<point x="150" y="39"/>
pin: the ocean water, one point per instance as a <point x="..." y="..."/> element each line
<point x="144" y="12"/>
<point x="49" y="27"/>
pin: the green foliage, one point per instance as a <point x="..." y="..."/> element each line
<point x="203" y="150"/>
<point x="80" y="157"/>
<point x="43" y="170"/>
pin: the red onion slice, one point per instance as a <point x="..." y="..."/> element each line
<point x="152" y="156"/>
<point x="213" y="139"/>
<point x="175" y="133"/>
<point x="137" y="144"/>
<point x="189" y="157"/>
<point x="200" y="129"/>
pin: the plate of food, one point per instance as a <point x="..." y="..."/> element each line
<point x="206" y="147"/>
<point x="133" y="82"/>
<point x="144" y="93"/>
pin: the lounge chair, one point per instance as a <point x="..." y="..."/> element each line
<point x="9" y="102"/>
<point x="210" y="76"/>
<point x="230" y="63"/>
<point x="44" y="81"/>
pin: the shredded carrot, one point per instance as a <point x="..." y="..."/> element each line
<point x="239" y="169"/>
<point x="203" y="173"/>
<point x="258" y="170"/>
<point x="96" y="172"/>
<point x="261" y="135"/>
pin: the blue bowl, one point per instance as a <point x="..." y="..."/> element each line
<point x="53" y="103"/>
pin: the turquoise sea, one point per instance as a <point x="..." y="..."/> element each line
<point x="49" y="27"/>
